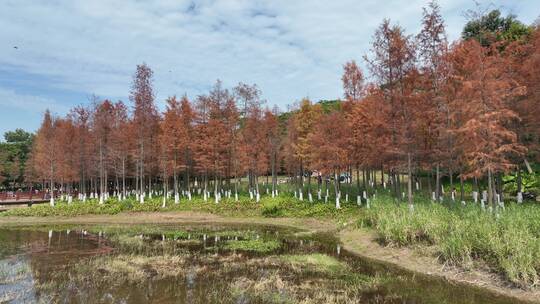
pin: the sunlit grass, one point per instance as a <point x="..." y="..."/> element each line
<point x="508" y="242"/>
<point x="257" y="245"/>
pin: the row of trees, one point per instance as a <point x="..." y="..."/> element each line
<point x="106" y="147"/>
<point x="466" y="110"/>
<point x="469" y="109"/>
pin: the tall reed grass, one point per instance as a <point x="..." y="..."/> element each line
<point x="507" y="241"/>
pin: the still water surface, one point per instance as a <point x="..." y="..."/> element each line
<point x="203" y="264"/>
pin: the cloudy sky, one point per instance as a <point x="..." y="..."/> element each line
<point x="55" y="54"/>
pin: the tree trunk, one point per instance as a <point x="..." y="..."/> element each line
<point x="336" y="189"/>
<point x="398" y="186"/>
<point x="141" y="172"/>
<point x="51" y="186"/>
<point x="518" y="180"/>
<point x="309" y="188"/>
<point x="358" y="180"/>
<point x="500" y="186"/>
<point x="409" y="182"/>
<point x="301" y="176"/>
<point x="165" y="189"/>
<point x="256" y="180"/>
<point x="382" y="175"/>
<point x="394" y="185"/>
<point x="123" y="177"/>
<point x="529" y="169"/>
<point x="274" y="177"/>
<point x="451" y="173"/>
<point x="364" y="185"/>
<point x="490" y="190"/>
<point x="437" y="182"/>
<point x="430" y="177"/>
<point x="461" y="188"/>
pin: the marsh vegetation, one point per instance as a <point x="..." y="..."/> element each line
<point x="202" y="264"/>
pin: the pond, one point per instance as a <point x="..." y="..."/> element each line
<point x="203" y="264"/>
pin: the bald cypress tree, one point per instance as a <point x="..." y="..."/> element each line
<point x="487" y="142"/>
<point x="145" y="123"/>
<point x="45" y="152"/>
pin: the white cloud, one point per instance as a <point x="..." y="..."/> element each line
<point x="28" y="103"/>
<point x="289" y="48"/>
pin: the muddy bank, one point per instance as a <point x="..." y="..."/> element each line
<point x="358" y="241"/>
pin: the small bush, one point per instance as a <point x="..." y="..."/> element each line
<point x="272" y="210"/>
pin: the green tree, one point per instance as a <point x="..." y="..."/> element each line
<point x="493" y="27"/>
<point x="17" y="136"/>
<point x="13" y="155"/>
<point x="3" y="166"/>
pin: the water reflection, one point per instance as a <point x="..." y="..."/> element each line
<point x="202" y="264"/>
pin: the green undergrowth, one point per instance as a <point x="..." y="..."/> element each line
<point x="507" y="242"/>
<point x="65" y="209"/>
<point x="281" y="206"/>
<point x="258" y="245"/>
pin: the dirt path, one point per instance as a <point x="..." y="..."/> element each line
<point x="358" y="241"/>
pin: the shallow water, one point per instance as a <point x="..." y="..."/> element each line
<point x="203" y="264"/>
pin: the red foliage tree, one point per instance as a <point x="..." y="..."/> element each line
<point x="487" y="143"/>
<point x="392" y="62"/>
<point x="45" y="152"/>
<point x="145" y="124"/>
<point x="328" y="143"/>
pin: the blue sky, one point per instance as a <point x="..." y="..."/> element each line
<point x="69" y="50"/>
